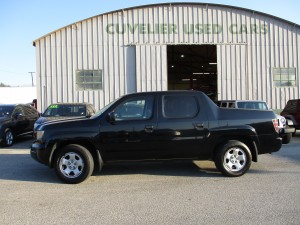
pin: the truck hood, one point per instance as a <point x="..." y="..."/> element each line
<point x="56" y="118"/>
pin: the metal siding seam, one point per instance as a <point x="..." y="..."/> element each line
<point x="298" y="66"/>
<point x="164" y="74"/>
<point x="104" y="59"/>
<point x="219" y="73"/>
<point x="111" y="70"/>
<point x="100" y="59"/>
<point x="75" y="62"/>
<point x="65" y="68"/>
<point x="69" y="64"/>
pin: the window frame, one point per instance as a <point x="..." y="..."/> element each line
<point x="179" y="117"/>
<point x="136" y="98"/>
<point x="281" y="81"/>
<point x="84" y="84"/>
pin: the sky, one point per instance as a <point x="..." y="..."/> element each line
<point x="22" y="22"/>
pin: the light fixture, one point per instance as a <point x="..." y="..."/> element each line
<point x="187" y="79"/>
<point x="172" y="66"/>
<point x="212" y="63"/>
<point x="201" y="73"/>
<point x="182" y="56"/>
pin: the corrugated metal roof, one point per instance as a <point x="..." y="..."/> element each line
<point x="175" y="3"/>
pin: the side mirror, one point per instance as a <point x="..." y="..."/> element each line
<point x="111" y="117"/>
<point x="17" y="115"/>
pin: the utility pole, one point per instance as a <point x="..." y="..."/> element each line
<point x="32" y="77"/>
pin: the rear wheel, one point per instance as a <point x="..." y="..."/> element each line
<point x="8" y="138"/>
<point x="73" y="164"/>
<point x="233" y="159"/>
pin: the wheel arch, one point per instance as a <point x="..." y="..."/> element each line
<point x="98" y="162"/>
<point x="248" y="141"/>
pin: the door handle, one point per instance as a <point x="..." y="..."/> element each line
<point x="199" y="126"/>
<point x="149" y="128"/>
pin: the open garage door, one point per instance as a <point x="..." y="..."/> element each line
<point x="193" y="67"/>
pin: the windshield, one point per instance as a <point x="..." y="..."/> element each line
<point x="103" y="109"/>
<point x="6" y="110"/>
<point x="65" y="110"/>
<point x="252" y="105"/>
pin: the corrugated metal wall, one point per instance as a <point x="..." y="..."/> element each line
<point x="129" y="46"/>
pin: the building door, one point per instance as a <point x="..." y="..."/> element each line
<point x="151" y="68"/>
<point x="193" y="67"/>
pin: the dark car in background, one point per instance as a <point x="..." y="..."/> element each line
<point x="16" y="120"/>
<point x="60" y="111"/>
<point x="292" y="111"/>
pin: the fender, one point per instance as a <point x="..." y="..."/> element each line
<point x="244" y="133"/>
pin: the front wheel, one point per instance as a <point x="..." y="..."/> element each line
<point x="73" y="164"/>
<point x="233" y="159"/>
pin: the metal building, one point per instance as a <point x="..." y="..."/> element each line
<point x="227" y="52"/>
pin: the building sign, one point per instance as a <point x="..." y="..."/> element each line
<point x="166" y="28"/>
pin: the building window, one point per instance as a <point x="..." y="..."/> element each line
<point x="284" y="77"/>
<point x="88" y="80"/>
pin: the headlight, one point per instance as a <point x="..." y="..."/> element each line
<point x="39" y="134"/>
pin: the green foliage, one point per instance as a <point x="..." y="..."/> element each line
<point x="4" y="85"/>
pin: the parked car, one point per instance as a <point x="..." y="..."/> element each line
<point x="157" y="125"/>
<point x="285" y="126"/>
<point x="16" y="120"/>
<point x="292" y="111"/>
<point x="60" y="111"/>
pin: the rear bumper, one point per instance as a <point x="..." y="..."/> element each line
<point x="277" y="144"/>
<point x="269" y="144"/>
<point x="287" y="130"/>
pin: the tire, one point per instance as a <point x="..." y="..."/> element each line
<point x="9" y="138"/>
<point x="233" y="159"/>
<point x="287" y="138"/>
<point x="74" y="164"/>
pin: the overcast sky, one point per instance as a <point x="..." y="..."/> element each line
<point x="22" y="22"/>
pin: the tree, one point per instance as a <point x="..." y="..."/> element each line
<point x="4" y="85"/>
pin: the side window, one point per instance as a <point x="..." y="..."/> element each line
<point x="224" y="104"/>
<point x="29" y="110"/>
<point x="231" y="105"/>
<point x="18" y="110"/>
<point x="180" y="106"/>
<point x="137" y="108"/>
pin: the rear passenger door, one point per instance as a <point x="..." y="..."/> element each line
<point x="182" y="125"/>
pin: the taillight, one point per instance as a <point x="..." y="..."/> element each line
<point x="275" y="124"/>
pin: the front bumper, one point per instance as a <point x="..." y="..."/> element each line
<point x="39" y="152"/>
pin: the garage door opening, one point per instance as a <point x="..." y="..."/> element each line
<point x="193" y="67"/>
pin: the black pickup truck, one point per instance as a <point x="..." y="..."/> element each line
<point x="157" y="125"/>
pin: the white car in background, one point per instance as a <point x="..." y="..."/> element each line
<point x="285" y="130"/>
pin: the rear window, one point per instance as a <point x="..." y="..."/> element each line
<point x="180" y="106"/>
<point x="6" y="110"/>
<point x="65" y="110"/>
<point x="252" y="105"/>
